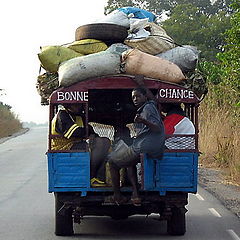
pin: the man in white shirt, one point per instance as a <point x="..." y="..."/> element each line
<point x="175" y="122"/>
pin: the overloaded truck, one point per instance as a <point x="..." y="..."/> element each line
<point x="164" y="183"/>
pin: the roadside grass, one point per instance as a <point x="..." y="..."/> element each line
<point x="9" y="123"/>
<point x="219" y="142"/>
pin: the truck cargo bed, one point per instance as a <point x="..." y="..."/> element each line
<point x="176" y="171"/>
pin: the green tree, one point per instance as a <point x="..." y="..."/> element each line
<point x="206" y="7"/>
<point x="230" y="58"/>
<point x="224" y="76"/>
<point x="156" y="7"/>
<point x="188" y="25"/>
<point x="162" y="6"/>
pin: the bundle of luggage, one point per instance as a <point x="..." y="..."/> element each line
<point x="126" y="41"/>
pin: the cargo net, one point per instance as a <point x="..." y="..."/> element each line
<point x="132" y="129"/>
<point x="180" y="142"/>
<point x="172" y="142"/>
<point x="103" y="130"/>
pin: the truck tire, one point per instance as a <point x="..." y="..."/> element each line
<point x="177" y="223"/>
<point x="106" y="32"/>
<point x="63" y="221"/>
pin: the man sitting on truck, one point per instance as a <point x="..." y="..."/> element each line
<point x="68" y="123"/>
<point x="176" y="122"/>
<point x="149" y="139"/>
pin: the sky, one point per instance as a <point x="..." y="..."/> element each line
<point x="25" y="26"/>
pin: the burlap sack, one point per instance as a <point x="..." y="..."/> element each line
<point x="108" y="180"/>
<point x="139" y="63"/>
<point x="88" y="46"/>
<point x="52" y="56"/>
<point x="157" y="42"/>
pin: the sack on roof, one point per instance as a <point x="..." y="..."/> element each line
<point x="52" y="56"/>
<point x="183" y="56"/>
<point x="139" y="63"/>
<point x="158" y="41"/>
<point x="115" y="17"/>
<point x="88" y="46"/>
<point x="93" y="65"/>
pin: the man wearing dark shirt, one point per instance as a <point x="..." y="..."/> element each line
<point x="149" y="139"/>
<point x="68" y="124"/>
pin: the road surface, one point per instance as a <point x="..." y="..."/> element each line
<point x="27" y="209"/>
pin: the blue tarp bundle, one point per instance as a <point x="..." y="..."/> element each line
<point x="138" y="13"/>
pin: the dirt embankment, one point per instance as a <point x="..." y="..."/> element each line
<point x="22" y="131"/>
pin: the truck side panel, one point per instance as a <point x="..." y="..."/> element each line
<point x="70" y="172"/>
<point x="177" y="171"/>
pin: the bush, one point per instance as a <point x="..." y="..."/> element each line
<point x="219" y="130"/>
<point x="9" y="123"/>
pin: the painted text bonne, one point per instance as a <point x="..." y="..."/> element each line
<point x="72" y="96"/>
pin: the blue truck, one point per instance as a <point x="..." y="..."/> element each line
<point x="164" y="183"/>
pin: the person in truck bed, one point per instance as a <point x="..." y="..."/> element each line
<point x="68" y="123"/>
<point x="149" y="139"/>
<point x="176" y="122"/>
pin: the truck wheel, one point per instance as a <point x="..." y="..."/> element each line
<point x="177" y="224"/>
<point x="63" y="221"/>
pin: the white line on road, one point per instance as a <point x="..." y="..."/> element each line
<point x="233" y="234"/>
<point x="214" y="212"/>
<point x="199" y="197"/>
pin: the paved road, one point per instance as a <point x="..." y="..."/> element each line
<point x="27" y="209"/>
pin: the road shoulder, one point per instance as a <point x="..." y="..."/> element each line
<point x="214" y="182"/>
<point x="22" y="131"/>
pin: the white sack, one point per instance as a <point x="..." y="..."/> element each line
<point x="140" y="34"/>
<point x="115" y="17"/>
<point x="137" y="24"/>
<point x="137" y="30"/>
<point x="140" y="63"/>
<point x="93" y="65"/>
<point x="185" y="57"/>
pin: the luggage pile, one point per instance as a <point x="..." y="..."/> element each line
<point x="126" y="41"/>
